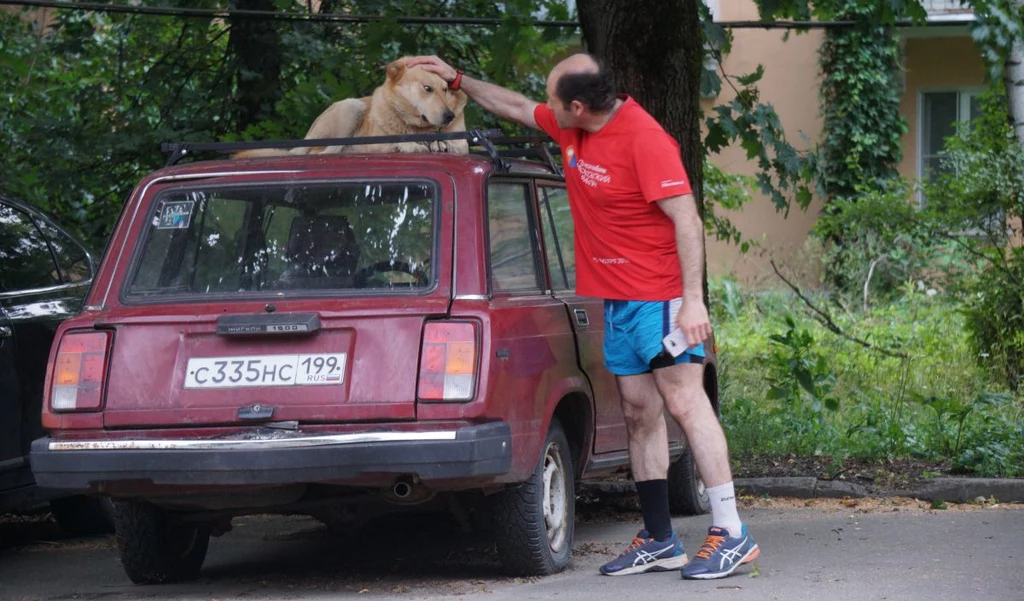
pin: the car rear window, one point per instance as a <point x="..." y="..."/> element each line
<point x="240" y="240"/>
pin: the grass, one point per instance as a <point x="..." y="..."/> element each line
<point x="791" y="387"/>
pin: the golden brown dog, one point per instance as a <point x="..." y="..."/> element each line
<point x="410" y="101"/>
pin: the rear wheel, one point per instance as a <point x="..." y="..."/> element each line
<point x="687" y="494"/>
<point x="155" y="547"/>
<point x="534" y="523"/>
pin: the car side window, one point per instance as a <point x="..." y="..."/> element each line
<point x="513" y="257"/>
<point x="70" y="255"/>
<point x="556" y="218"/>
<point x="25" y="258"/>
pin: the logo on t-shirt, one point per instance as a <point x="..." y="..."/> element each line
<point x="570" y="152"/>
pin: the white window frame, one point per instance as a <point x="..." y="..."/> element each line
<point x="716" y="10"/>
<point x="964" y="95"/>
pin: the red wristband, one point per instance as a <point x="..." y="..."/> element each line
<point x="458" y="80"/>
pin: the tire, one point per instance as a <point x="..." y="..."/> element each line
<point x="82" y="515"/>
<point x="687" y="494"/>
<point x="534" y="523"/>
<point x="155" y="548"/>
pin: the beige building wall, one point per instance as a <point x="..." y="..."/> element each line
<point x="42" y="17"/>
<point x="935" y="59"/>
<point x="790" y="84"/>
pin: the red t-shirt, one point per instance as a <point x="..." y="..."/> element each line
<point x="625" y="243"/>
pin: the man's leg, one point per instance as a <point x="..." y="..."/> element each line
<point x="682" y="387"/>
<point x="655" y="548"/>
<point x="643" y="409"/>
<point x="728" y="544"/>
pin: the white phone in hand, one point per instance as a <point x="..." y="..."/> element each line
<point x="675" y="342"/>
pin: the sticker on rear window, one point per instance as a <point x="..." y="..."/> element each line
<point x="176" y="215"/>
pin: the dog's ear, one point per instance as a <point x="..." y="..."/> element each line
<point x="396" y="70"/>
<point x="461" y="99"/>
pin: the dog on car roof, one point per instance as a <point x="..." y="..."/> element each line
<point x="410" y="101"/>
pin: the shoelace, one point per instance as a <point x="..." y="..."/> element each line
<point x="711" y="545"/>
<point x="637" y="542"/>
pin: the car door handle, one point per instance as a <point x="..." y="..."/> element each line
<point x="581" y="317"/>
<point x="6" y="332"/>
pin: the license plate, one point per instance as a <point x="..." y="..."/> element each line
<point x="265" y="370"/>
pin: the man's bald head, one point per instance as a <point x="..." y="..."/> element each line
<point x="584" y="78"/>
<point x="580" y="62"/>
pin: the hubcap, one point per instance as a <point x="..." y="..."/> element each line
<point x="556" y="501"/>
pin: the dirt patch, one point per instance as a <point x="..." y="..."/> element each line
<point x="890" y="485"/>
<point x="882" y="477"/>
<point x="872" y="505"/>
<point x="623" y="507"/>
<point x="591" y="548"/>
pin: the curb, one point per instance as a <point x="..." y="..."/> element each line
<point x="954" y="490"/>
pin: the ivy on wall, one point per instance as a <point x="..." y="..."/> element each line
<point x="860" y="103"/>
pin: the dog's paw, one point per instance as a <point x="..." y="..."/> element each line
<point x="458" y="147"/>
<point x="439" y="146"/>
<point x="411" y="147"/>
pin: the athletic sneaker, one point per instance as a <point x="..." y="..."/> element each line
<point x="645" y="554"/>
<point x="721" y="554"/>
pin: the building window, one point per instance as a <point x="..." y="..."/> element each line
<point x="940" y="112"/>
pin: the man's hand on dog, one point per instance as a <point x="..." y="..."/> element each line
<point x="434" y="65"/>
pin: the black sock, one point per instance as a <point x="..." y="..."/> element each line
<point x="654" y="505"/>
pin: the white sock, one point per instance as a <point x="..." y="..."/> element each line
<point x="723" y="509"/>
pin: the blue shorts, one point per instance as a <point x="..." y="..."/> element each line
<point x="633" y="331"/>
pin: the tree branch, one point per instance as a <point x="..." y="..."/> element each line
<point x="826" y="320"/>
<point x="942" y="233"/>
<point x="867" y="281"/>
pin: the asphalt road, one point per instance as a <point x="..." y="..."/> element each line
<point x="826" y="551"/>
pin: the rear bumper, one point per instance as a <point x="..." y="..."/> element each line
<point x="274" y="457"/>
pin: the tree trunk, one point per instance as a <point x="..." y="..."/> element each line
<point x="1015" y="82"/>
<point x="654" y="48"/>
<point x="256" y="48"/>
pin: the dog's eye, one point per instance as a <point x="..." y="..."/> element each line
<point x="429" y="89"/>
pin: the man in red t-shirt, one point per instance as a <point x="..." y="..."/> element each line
<point x="640" y="246"/>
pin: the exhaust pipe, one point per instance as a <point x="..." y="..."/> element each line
<point x="402" y="489"/>
<point x="407" y="491"/>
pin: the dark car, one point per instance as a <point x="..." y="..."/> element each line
<point x="340" y="336"/>
<point x="44" y="276"/>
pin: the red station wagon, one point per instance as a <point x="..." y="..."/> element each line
<point x="341" y="336"/>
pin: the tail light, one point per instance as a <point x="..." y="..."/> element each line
<point x="79" y="372"/>
<point x="448" y="362"/>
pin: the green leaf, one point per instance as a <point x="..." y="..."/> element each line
<point x="806" y="380"/>
<point x="752" y="78"/>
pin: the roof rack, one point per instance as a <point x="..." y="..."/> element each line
<point x="488" y="140"/>
<point x="535" y="146"/>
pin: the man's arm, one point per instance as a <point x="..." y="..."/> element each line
<point x="693" y="317"/>
<point x="496" y="99"/>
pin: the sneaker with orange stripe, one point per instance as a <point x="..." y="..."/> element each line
<point x="721" y="554"/>
<point x="645" y="554"/>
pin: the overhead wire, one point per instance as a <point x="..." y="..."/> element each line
<point x="310" y="17"/>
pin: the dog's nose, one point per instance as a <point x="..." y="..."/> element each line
<point x="448" y="116"/>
